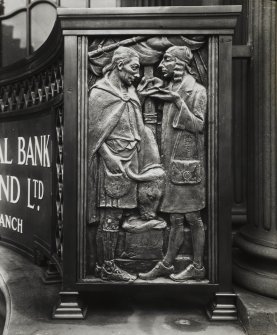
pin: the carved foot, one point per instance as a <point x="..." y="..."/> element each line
<point x="223" y="307"/>
<point x="160" y="270"/>
<point x="69" y="306"/>
<point x="111" y="272"/>
<point x="190" y="272"/>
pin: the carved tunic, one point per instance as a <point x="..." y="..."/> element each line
<point x="125" y="134"/>
<point x="183" y="149"/>
<point x="114" y="189"/>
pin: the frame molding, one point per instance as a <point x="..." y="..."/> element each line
<point x="216" y="21"/>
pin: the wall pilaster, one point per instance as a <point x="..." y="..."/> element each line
<point x="255" y="263"/>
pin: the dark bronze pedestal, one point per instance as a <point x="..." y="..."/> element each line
<point x="81" y="261"/>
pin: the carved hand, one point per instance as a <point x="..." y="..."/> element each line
<point x="113" y="163"/>
<point x="150" y="85"/>
<point x="166" y="95"/>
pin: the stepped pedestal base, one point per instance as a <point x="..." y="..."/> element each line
<point x="223" y="307"/>
<point x="51" y="275"/>
<point x="69" y="306"/>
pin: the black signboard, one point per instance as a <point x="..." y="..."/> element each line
<point x="26" y="180"/>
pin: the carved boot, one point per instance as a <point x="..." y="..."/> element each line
<point x="160" y="270"/>
<point x="190" y="272"/>
<point x="112" y="272"/>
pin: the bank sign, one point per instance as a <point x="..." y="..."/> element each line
<point x="26" y="148"/>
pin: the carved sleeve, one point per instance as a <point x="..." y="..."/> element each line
<point x="192" y="119"/>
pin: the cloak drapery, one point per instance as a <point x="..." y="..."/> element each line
<point x="106" y="107"/>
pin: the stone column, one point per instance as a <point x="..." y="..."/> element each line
<point x="255" y="262"/>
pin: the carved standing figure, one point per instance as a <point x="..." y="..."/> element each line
<point x="119" y="143"/>
<point x="182" y="150"/>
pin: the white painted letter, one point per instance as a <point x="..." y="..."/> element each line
<point x="19" y="226"/>
<point x="40" y="189"/>
<point x="14" y="227"/>
<point x="38" y="150"/>
<point x="29" y="194"/>
<point x="30" y="153"/>
<point x="4" y="187"/>
<point x="6" y="152"/>
<point x="21" y="153"/>
<point x="8" y="221"/>
<point x="13" y="181"/>
<point x="46" y="159"/>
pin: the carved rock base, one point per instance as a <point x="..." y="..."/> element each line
<point x="145" y="245"/>
<point x="223" y="307"/>
<point x="69" y="306"/>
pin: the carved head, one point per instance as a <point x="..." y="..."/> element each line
<point x="125" y="62"/>
<point x="176" y="62"/>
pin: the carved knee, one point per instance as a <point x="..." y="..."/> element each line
<point x="149" y="197"/>
<point x="110" y="219"/>
<point x="177" y="219"/>
<point x="194" y="219"/>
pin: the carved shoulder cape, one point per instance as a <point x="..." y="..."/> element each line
<point x="106" y="105"/>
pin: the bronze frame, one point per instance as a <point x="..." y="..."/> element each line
<point x="218" y="22"/>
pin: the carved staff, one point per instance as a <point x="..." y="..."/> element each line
<point x="113" y="46"/>
<point x="149" y="113"/>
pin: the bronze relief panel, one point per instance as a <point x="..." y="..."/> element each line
<point x="147" y="112"/>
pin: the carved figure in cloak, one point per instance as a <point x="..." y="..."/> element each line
<point x="183" y="157"/>
<point x="123" y="157"/>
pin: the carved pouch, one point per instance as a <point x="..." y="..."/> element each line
<point x="185" y="171"/>
<point x="116" y="185"/>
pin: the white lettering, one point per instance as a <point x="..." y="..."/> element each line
<point x="1" y="155"/>
<point x="11" y="189"/>
<point x="35" y="191"/>
<point x="4" y="153"/>
<point x="21" y="152"/>
<point x="8" y="221"/>
<point x="4" y="186"/>
<point x="20" y="226"/>
<point x="13" y="223"/>
<point x="2" y="222"/>
<point x="13" y="227"/>
<point x="13" y="181"/>
<point x="36" y="153"/>
<point x="38" y="150"/>
<point x="46" y="160"/>
<point x="35" y="187"/>
<point x="30" y="153"/>
<point x="29" y="194"/>
<point x="40" y="189"/>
